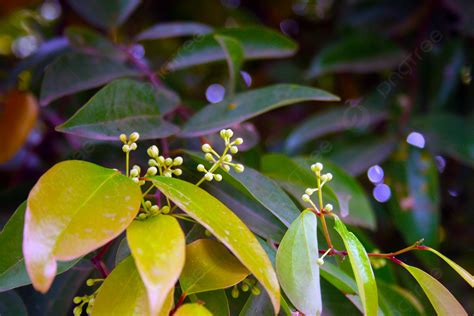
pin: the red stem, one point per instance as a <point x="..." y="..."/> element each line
<point x="97" y="260"/>
<point x="178" y="304"/>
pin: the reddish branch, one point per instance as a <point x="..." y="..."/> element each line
<point x="178" y="304"/>
<point x="97" y="260"/>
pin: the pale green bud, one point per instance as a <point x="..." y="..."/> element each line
<point x="239" y="168"/>
<point x="168" y="174"/>
<point x="226" y="168"/>
<point x="238" y="141"/>
<point x="320" y="261"/>
<point x="306" y="198"/>
<point x="209" y="157"/>
<point x="136" y="180"/>
<point x="201" y="168"/>
<point x="235" y="292"/>
<point x="206" y="148"/>
<point x="218" y="177"/>
<point x="328" y="176"/>
<point x="148" y="204"/>
<point x="153" y="151"/>
<point x="161" y="160"/>
<point x="142" y="216"/>
<point x="168" y="161"/>
<point x="134" y="173"/>
<point x="152" y="163"/>
<point x="328" y="207"/>
<point x="133" y="146"/>
<point x="154" y="209"/>
<point x="227" y="158"/>
<point x="255" y="291"/>
<point x="245" y="287"/>
<point x="77" y="311"/>
<point x="317" y="167"/>
<point x="229" y="133"/>
<point x="324" y="178"/>
<point x="178" y="161"/>
<point x="177" y="172"/>
<point x="126" y="148"/>
<point x="152" y="171"/>
<point x="77" y="300"/>
<point x="165" y="209"/>
<point x="310" y="191"/>
<point x="209" y="176"/>
<point x="223" y="133"/>
<point x="123" y="138"/>
<point x="234" y="149"/>
<point x="134" y="137"/>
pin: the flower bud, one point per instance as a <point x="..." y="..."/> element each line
<point x="168" y="174"/>
<point x="209" y="157"/>
<point x="329" y="176"/>
<point x="218" y="177"/>
<point x="152" y="171"/>
<point x="223" y="133"/>
<point x="133" y="146"/>
<point x="255" y="291"/>
<point x="229" y="133"/>
<point x="235" y="292"/>
<point x="168" y="161"/>
<point x="77" y="311"/>
<point x="305" y="198"/>
<point x="209" y="176"/>
<point x="126" y="148"/>
<point x="234" y="149"/>
<point x="201" y="168"/>
<point x="328" y="207"/>
<point x="320" y="262"/>
<point x="134" y="137"/>
<point x="239" y="168"/>
<point x="134" y="173"/>
<point x="206" y="148"/>
<point x="317" y="167"/>
<point x="245" y="287"/>
<point x="136" y="180"/>
<point x="153" y="151"/>
<point x="238" y="141"/>
<point x="90" y="282"/>
<point x="324" y="178"/>
<point x="123" y="138"/>
<point x="152" y="163"/>
<point x="177" y="172"/>
<point x="178" y="161"/>
<point x="161" y="160"/>
<point x="226" y="167"/>
<point x="142" y="216"/>
<point x="148" y="204"/>
<point x="309" y="191"/>
<point x="227" y="158"/>
<point x="165" y="209"/>
<point x="154" y="209"/>
<point x="77" y="300"/>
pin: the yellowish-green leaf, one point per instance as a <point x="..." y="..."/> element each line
<point x="74" y="208"/>
<point x="122" y="293"/>
<point x="361" y="267"/>
<point x="226" y="226"/>
<point x="210" y="266"/>
<point x="158" y="247"/>
<point x="296" y="264"/>
<point x="460" y="270"/>
<point x="192" y="309"/>
<point x="168" y="304"/>
<point x="442" y="300"/>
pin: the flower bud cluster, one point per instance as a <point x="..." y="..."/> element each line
<point x="135" y="174"/>
<point x="129" y="143"/>
<point x="149" y="209"/>
<point x="86" y="300"/>
<point x="224" y="160"/>
<point x="322" y="179"/>
<point x="163" y="166"/>
<point x="247" y="285"/>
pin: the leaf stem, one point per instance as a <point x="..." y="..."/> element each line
<point x="178" y="304"/>
<point x="127" y="163"/>
<point x="389" y="255"/>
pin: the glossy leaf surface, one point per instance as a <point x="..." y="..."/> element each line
<point x="89" y="72"/>
<point x="226" y="227"/>
<point x="124" y="106"/>
<point x="11" y="304"/>
<point x="361" y="267"/>
<point x="58" y="223"/>
<point x="234" y="55"/>
<point x="210" y="266"/>
<point x="122" y="293"/>
<point x="215" y="301"/>
<point x="173" y="29"/>
<point x="258" y="43"/>
<point x="12" y="266"/>
<point x="249" y="104"/>
<point x="460" y="270"/>
<point x="296" y="264"/>
<point x="194" y="309"/>
<point x="158" y="247"/>
<point x="442" y="300"/>
<point x="357" y="53"/>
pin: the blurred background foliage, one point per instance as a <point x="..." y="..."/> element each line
<point x="402" y="69"/>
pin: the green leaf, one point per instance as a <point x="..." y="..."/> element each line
<point x="395" y="301"/>
<point x="356" y="53"/>
<point x="210" y="266"/>
<point x="124" y="106"/>
<point x="338" y="278"/>
<point x="258" y="305"/>
<point x="12" y="266"/>
<point x="215" y="301"/>
<point x="344" y="192"/>
<point x="194" y="309"/>
<point x="442" y="300"/>
<point x="460" y="270"/>
<point x="58" y="223"/>
<point x="123" y="251"/>
<point x="11" y="304"/>
<point x="106" y="14"/>
<point x="173" y="29"/>
<point x="74" y="72"/>
<point x="261" y="188"/>
<point x="249" y="104"/>
<point x="252" y="213"/>
<point x="234" y="55"/>
<point x="361" y="267"/>
<point x="296" y="264"/>
<point x="122" y="293"/>
<point x="89" y="42"/>
<point x="334" y="120"/>
<point x="449" y="134"/>
<point x="258" y="43"/>
<point x="226" y="227"/>
<point x="415" y="206"/>
<point x="158" y="247"/>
